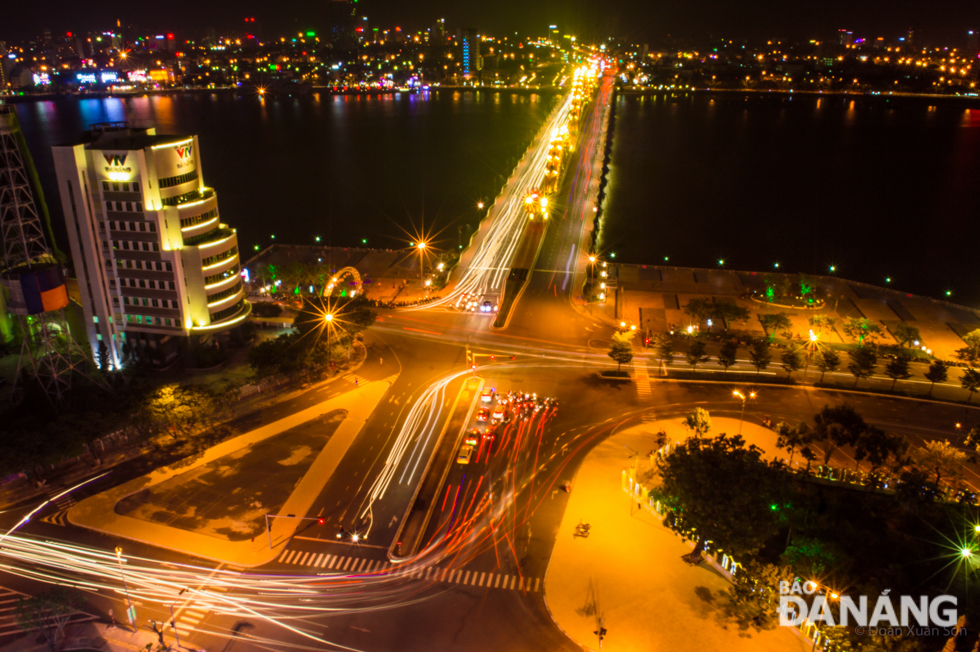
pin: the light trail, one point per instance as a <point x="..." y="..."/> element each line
<point x="488" y="268"/>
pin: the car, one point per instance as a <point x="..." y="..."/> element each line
<point x="465" y="453"/>
<point x="473" y="437"/>
<point x="483" y="414"/>
<point x="487" y="306"/>
<point x="487" y="395"/>
<point x="498" y="414"/>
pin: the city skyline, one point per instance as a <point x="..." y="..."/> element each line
<point x="590" y="20"/>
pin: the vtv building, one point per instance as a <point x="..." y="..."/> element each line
<point x="153" y="260"/>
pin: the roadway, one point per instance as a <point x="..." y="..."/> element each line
<point x="477" y="585"/>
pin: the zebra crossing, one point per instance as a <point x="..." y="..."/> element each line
<point x="189" y="617"/>
<point x="643" y="382"/>
<point x="354" y="379"/>
<point x="63" y="502"/>
<point x="339" y="563"/>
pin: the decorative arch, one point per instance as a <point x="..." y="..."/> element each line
<point x="341" y="275"/>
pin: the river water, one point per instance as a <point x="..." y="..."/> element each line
<point x="878" y="187"/>
<point x="346" y="168"/>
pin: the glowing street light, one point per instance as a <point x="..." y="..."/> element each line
<point x="479" y="205"/>
<point x="328" y="320"/>
<point x="744" y="398"/>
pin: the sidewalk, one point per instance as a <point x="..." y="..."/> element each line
<point x="95" y="636"/>
<point x="629" y="570"/>
<point x="98" y="512"/>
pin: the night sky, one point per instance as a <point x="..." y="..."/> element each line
<point x="942" y="22"/>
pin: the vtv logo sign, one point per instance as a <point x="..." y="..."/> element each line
<point x="118" y="160"/>
<point x="184" y="151"/>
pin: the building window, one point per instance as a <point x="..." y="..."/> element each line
<point x="224" y="255"/>
<point x="170" y="268"/>
<point x="139" y="206"/>
<point x="170" y="182"/>
<point x="198" y="219"/>
<point x="115" y="187"/>
<point x="171" y="285"/>
<point x="105" y="186"/>
<point x="153" y="227"/>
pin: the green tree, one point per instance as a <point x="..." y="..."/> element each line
<point x="863" y="361"/>
<point x="940" y="458"/>
<point x="972" y="440"/>
<point x="728" y="353"/>
<point x="180" y="410"/>
<point x="793" y="439"/>
<point x="621" y="349"/>
<point x="696" y="354"/>
<point x="972" y="351"/>
<point x="812" y="557"/>
<point x="792" y="360"/>
<point x="898" y="369"/>
<point x="699" y="421"/>
<point x="729" y="312"/>
<point x="772" y="324"/>
<point x="877" y="446"/>
<point x="102" y="358"/>
<point x="905" y="334"/>
<point x="760" y="355"/>
<point x="823" y="324"/>
<point x="665" y="348"/>
<point x="937" y="373"/>
<point x="827" y="360"/>
<point x="837" y="426"/>
<point x="48" y="613"/>
<point x="806" y="285"/>
<point x="862" y="330"/>
<point x="699" y="310"/>
<point x="970" y="380"/>
<point x="717" y="489"/>
<point x="753" y="597"/>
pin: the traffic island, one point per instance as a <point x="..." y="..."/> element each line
<point x="627" y="569"/>
<point x="214" y="536"/>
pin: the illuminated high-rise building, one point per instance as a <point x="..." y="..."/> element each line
<point x="154" y="262"/>
<point x="472" y="61"/>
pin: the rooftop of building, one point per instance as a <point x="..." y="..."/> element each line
<point x="119" y="135"/>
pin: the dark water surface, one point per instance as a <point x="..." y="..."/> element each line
<point x="345" y="168"/>
<point x="880" y="188"/>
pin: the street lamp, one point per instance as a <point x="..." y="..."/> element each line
<point x="129" y="604"/>
<point x="744" y="398"/>
<point x="421" y="248"/>
<point x="328" y="320"/>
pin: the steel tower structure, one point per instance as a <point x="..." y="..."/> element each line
<point x="32" y="278"/>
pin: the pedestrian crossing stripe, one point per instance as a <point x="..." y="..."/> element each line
<point x="432" y="573"/>
<point x="642" y="382"/>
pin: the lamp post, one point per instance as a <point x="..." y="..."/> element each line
<point x="129" y="603"/>
<point x="328" y="320"/>
<point x="173" y="621"/>
<point x="811" y="345"/>
<point x="744" y="398"/>
<point x="421" y="248"/>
